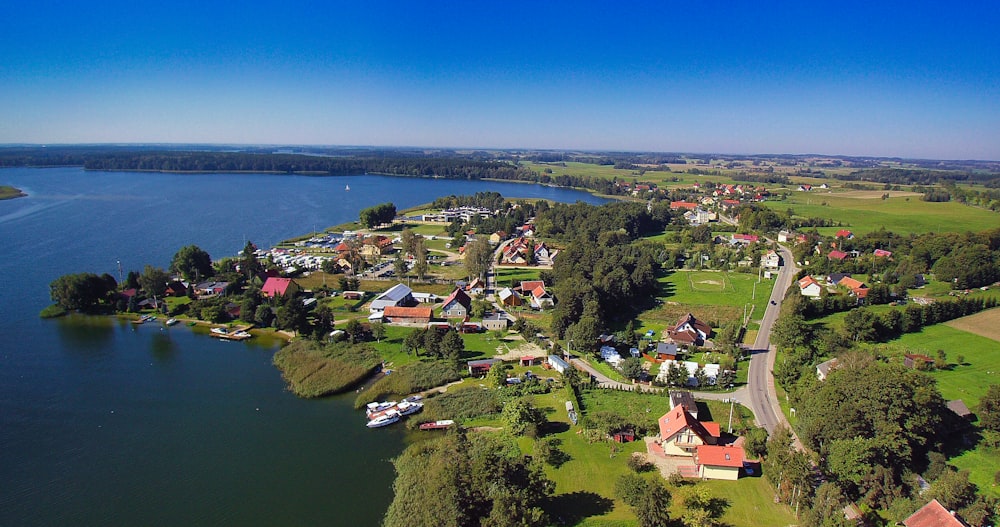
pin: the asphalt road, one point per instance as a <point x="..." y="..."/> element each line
<point x="763" y="397"/>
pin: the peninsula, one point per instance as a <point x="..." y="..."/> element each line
<point x="8" y="192"/>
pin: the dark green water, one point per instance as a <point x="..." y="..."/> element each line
<point x="103" y="423"/>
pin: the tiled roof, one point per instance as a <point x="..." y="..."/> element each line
<point x="719" y="456"/>
<point x="933" y="515"/>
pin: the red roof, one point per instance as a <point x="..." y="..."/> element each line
<point x="837" y="255"/>
<point x="719" y="456"/>
<point x="528" y="286"/>
<point x="713" y="428"/>
<point x="407" y="312"/>
<point x="746" y="237"/>
<point x="807" y="281"/>
<point x="933" y="515"/>
<point x="678" y="419"/>
<point x="844" y="233"/>
<point x="683" y="205"/>
<point x="275" y="286"/>
<point x="882" y="253"/>
<point x="460" y="296"/>
<point x="851" y="283"/>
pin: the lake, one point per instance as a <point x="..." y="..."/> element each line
<point x="103" y="423"/>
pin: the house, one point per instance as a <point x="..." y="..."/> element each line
<point x="785" y="236"/>
<point x="690" y="330"/>
<point x="558" y="364"/>
<point x="498" y="237"/>
<point x="543" y="254"/>
<point x="804" y="188"/>
<point x="744" y="239"/>
<point x="808" y="286"/>
<point x="837" y="255"/>
<point x="398" y="295"/>
<point x="476" y="287"/>
<point x="276" y="286"/>
<point x="934" y="515"/>
<point x="666" y="351"/>
<point x="509" y="298"/>
<point x="916" y="361"/>
<point x="406" y="315"/>
<point x="457" y="305"/>
<point x="882" y="253"/>
<point x="851" y="283"/>
<point x="177" y="288"/>
<point x="770" y="260"/>
<point x="480" y="367"/>
<point x="719" y="462"/>
<point x="681" y="433"/>
<point x="844" y="234"/>
<point x="538" y="297"/>
<point x="960" y="409"/>
<point x="823" y="369"/>
<point x="353" y="295"/>
<point x="676" y="205"/>
<point x="683" y="398"/>
<point x="495" y="322"/>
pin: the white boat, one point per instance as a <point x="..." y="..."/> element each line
<point x="386" y="419"/>
<point x="374" y="408"/>
<point x="242" y="334"/>
<point x="171" y="321"/>
<point x="219" y="331"/>
<point x="347" y="188"/>
<point x="437" y="425"/>
<point x="409" y="407"/>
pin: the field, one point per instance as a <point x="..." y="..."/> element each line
<point x="901" y="213"/>
<point x="985" y="324"/>
<point x="715" y="297"/>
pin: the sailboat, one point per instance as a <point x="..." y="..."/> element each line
<point x="347" y="188"/>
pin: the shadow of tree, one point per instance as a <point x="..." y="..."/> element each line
<point x="553" y="427"/>
<point x="570" y="509"/>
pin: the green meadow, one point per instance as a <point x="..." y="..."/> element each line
<point x="715" y="297"/>
<point x="902" y="214"/>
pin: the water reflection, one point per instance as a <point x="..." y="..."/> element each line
<point x="86" y="335"/>
<point x="162" y="346"/>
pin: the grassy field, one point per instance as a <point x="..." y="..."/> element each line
<point x="967" y="381"/>
<point x="715" y="297"/>
<point x="900" y="213"/>
<point x="982" y="463"/>
<point x="507" y="277"/>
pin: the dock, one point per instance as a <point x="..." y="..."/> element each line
<point x="238" y="333"/>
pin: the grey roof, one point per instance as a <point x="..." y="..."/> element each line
<point x="396" y="293"/>
<point x="553" y="359"/>
<point x="959" y="407"/>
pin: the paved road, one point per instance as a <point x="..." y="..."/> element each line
<point x="763" y="397"/>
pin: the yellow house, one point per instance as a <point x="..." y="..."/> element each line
<point x="719" y="462"/>
<point x="681" y="434"/>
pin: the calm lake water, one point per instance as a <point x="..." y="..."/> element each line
<point x="102" y="423"/>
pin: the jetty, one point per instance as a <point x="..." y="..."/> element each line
<point x="237" y="333"/>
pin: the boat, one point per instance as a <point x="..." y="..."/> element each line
<point x="386" y="419"/>
<point x="347" y="188"/>
<point x="413" y="398"/>
<point x="171" y="321"/>
<point x="374" y="408"/>
<point x="409" y="407"/>
<point x="242" y="334"/>
<point x="219" y="331"/>
<point x="192" y="324"/>
<point x="143" y="319"/>
<point x="437" y="425"/>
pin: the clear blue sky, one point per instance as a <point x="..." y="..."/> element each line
<point x="909" y="79"/>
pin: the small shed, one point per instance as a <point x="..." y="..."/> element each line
<point x="958" y="406"/>
<point x="480" y="367"/>
<point x="624" y="436"/>
<point x="558" y="364"/>
<point x="916" y="360"/>
<point x="528" y="360"/>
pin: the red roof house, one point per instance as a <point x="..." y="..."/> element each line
<point x="844" y="233"/>
<point x="407" y="315"/>
<point x="675" y="205"/>
<point x="681" y="433"/>
<point x="934" y="515"/>
<point x="275" y="286"/>
<point x="837" y="255"/>
<point x="690" y="330"/>
<point x="719" y="462"/>
<point x="882" y="253"/>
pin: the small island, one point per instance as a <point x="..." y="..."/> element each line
<point x="8" y="192"/>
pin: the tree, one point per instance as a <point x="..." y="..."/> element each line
<point x="452" y="346"/>
<point x="81" y="291"/>
<point x="324" y="319"/>
<point x="399" y="266"/>
<point x="632" y="368"/>
<point x="496" y="377"/>
<point x="478" y="258"/>
<point x="727" y="339"/>
<point x="377" y="215"/>
<point x="192" y="263"/>
<point x="378" y="331"/>
<point x="420" y="258"/>
<point x="408" y="241"/>
<point x="250" y="266"/>
<point x="154" y="281"/>
<point x="648" y="498"/>
<point x="355" y="331"/>
<point x="329" y="266"/>
<point x="989" y="409"/>
<point x="755" y="442"/>
<point x="701" y="376"/>
<point x="292" y="314"/>
<point x="677" y="375"/>
<point x="521" y="418"/>
<point x="827" y="508"/>
<point x="263" y="315"/>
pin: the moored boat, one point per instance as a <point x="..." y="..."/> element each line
<point x="171" y="321"/>
<point x="437" y="425"/>
<point x="219" y="331"/>
<point x="375" y="408"/>
<point x="385" y="419"/>
<point x="409" y="407"/>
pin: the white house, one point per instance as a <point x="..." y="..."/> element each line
<point x="809" y="287"/>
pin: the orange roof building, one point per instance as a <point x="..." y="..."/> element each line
<point x="934" y="515"/>
<point x="719" y="462"/>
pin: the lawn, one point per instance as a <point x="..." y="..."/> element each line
<point x="902" y="214"/>
<point x="715" y="297"/>
<point x="967" y="381"/>
<point x="510" y="277"/>
<point x="982" y="463"/>
<point x="750" y="503"/>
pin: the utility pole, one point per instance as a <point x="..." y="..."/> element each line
<point x="732" y="403"/>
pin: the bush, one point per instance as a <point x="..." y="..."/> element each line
<point x="53" y="311"/>
<point x="637" y="462"/>
<point x="314" y="370"/>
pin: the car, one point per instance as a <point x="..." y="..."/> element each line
<point x="773" y="303"/>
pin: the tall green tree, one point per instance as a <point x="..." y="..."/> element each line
<point x="192" y="263"/>
<point x="648" y="498"/>
<point x="153" y="281"/>
<point x="478" y="258"/>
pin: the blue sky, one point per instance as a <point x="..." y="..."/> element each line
<point x="906" y="79"/>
